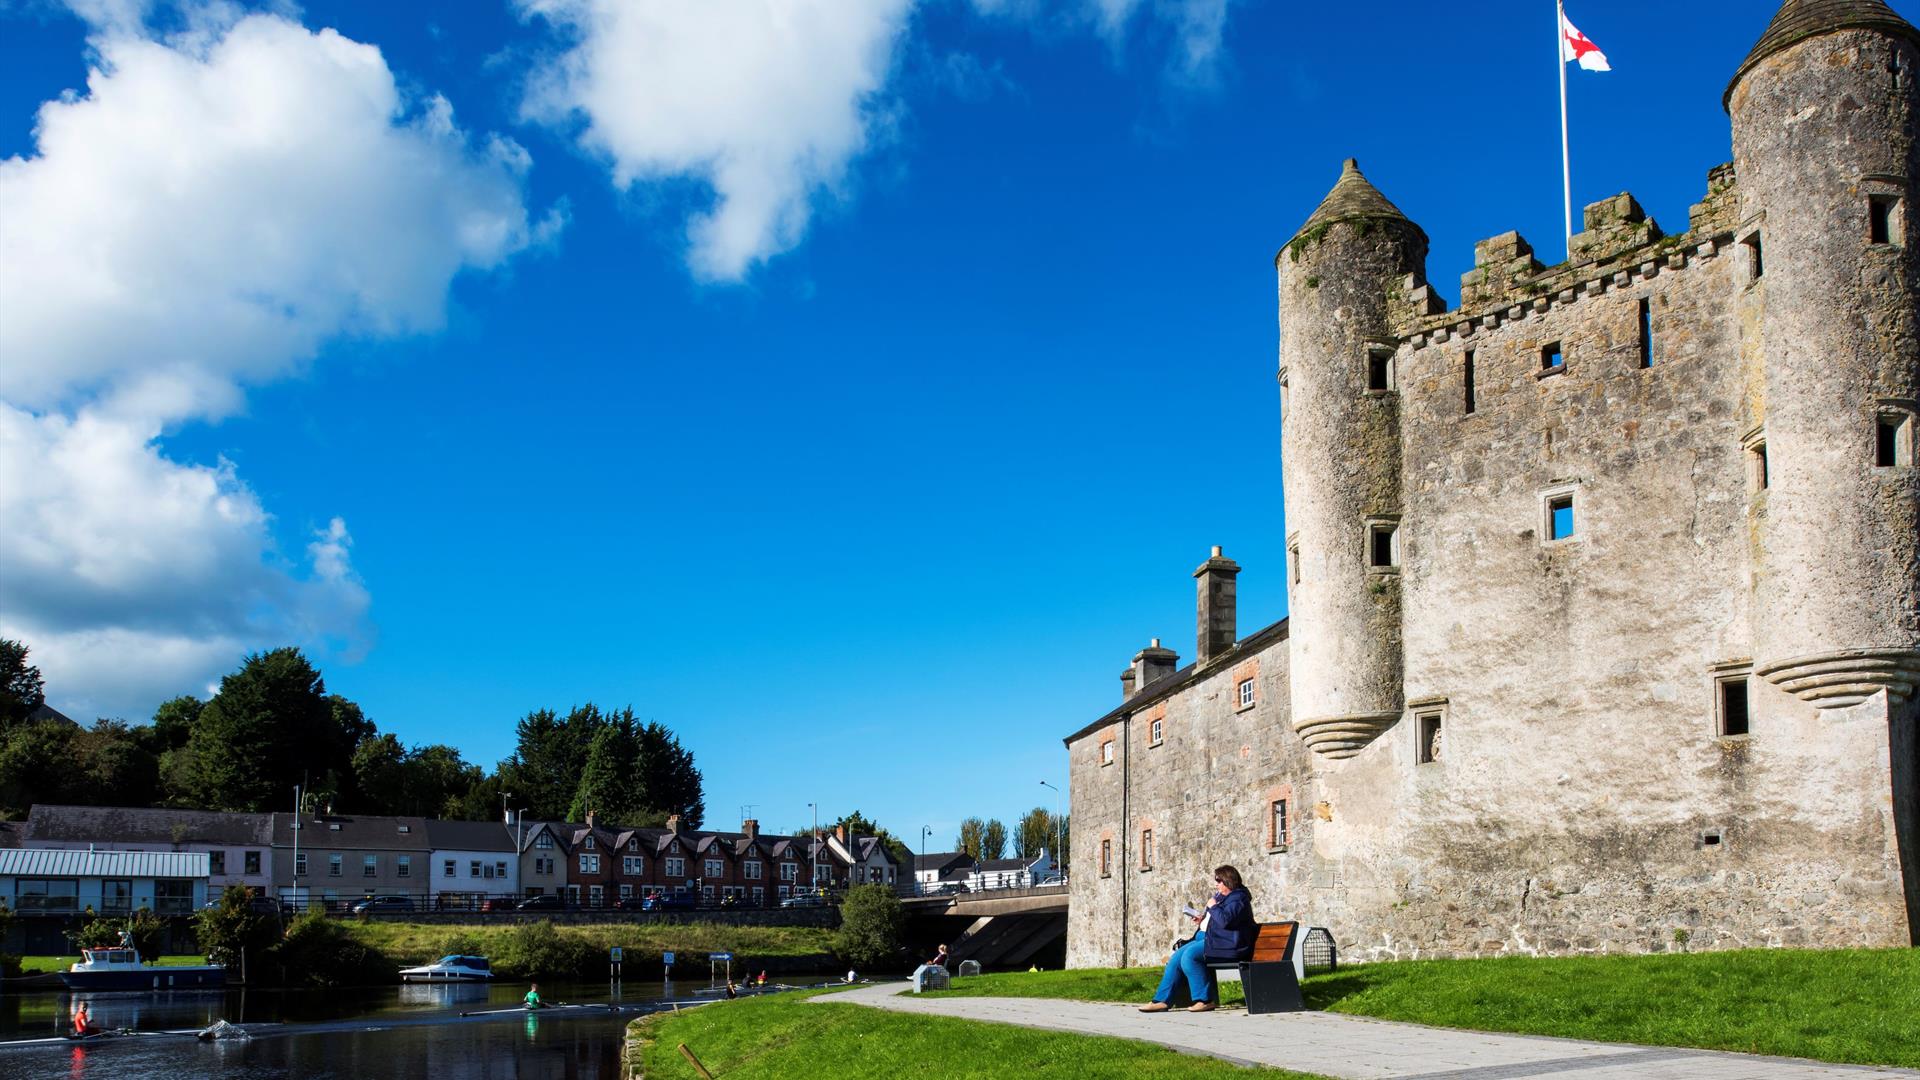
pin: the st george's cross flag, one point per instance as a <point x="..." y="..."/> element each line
<point x="1576" y="48"/>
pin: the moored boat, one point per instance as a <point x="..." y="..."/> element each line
<point x="450" y="969"/>
<point x="119" y="968"/>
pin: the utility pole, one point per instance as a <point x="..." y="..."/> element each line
<point x="1056" y="829"/>
<point x="813" y="849"/>
<point x="295" y="877"/>
<point x="918" y="887"/>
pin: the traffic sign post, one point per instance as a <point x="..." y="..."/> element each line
<point x="613" y="963"/>
<point x="666" y="961"/>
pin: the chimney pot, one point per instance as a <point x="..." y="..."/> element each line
<point x="1156" y="643"/>
<point x="1215" y="614"/>
<point x="673" y="824"/>
<point x="1216" y="551"/>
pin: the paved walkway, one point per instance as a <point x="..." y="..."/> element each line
<point x="1356" y="1048"/>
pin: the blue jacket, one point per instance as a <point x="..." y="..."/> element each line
<point x="1231" y="930"/>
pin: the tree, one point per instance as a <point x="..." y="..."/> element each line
<point x="482" y="801"/>
<point x="858" y="824"/>
<point x="669" y="779"/>
<point x="971" y="832"/>
<point x="231" y="929"/>
<point x="270" y="727"/>
<point x="36" y="763"/>
<point x="993" y="840"/>
<point x="22" y="690"/>
<point x="871" y="921"/>
<point x="173" y="723"/>
<point x="611" y="784"/>
<point x="550" y="756"/>
<point x="1033" y="832"/>
<point x="112" y="766"/>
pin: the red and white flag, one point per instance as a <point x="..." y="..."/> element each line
<point x="1575" y="47"/>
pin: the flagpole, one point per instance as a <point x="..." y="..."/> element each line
<point x="1566" y="161"/>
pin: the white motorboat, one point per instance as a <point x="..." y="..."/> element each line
<point x="450" y="969"/>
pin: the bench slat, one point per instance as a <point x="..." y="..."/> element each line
<point x="1271" y="941"/>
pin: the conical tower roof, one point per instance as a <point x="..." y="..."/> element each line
<point x="1353" y="198"/>
<point x="1798" y="20"/>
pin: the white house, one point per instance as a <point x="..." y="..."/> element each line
<point x="471" y="861"/>
<point x="239" y="847"/>
<point x="63" y="882"/>
<point x="1010" y="873"/>
<point x="931" y="869"/>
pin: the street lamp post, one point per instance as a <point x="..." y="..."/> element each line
<point x="1056" y="829"/>
<point x="813" y="848"/>
<point x="917" y="884"/>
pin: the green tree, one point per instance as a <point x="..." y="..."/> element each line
<point x="871" y="922"/>
<point x="544" y="771"/>
<point x="993" y="840"/>
<point x="22" y="690"/>
<point x="972" y="830"/>
<point x="231" y="929"/>
<point x="36" y="765"/>
<point x="270" y="727"/>
<point x="611" y="783"/>
<point x="1033" y="832"/>
<point x="669" y="779"/>
<point x="173" y="723"/>
<point x="858" y="824"/>
<point x="112" y="765"/>
<point x="482" y="801"/>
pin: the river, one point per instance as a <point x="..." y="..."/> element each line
<point x="375" y="1033"/>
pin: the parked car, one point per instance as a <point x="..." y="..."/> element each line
<point x="383" y="905"/>
<point x="631" y="903"/>
<point x="811" y="899"/>
<point x="494" y="904"/>
<point x="547" y="902"/>
<point x="670" y="901"/>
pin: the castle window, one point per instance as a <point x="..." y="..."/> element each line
<point x="1551" y="358"/>
<point x="1466" y="382"/>
<point x="1106" y="752"/>
<point x="1756" y="264"/>
<point x="1383" y="545"/>
<point x="1557" y="516"/>
<point x="1379" y="370"/>
<point x="1156" y="731"/>
<point x="1757" y="465"/>
<point x="1733" y="707"/>
<point x="1293" y="562"/>
<point x="1427" y="730"/>
<point x="1106" y="856"/>
<point x="1277" y="836"/>
<point x="1146" y="849"/>
<point x="1646" y="333"/>
<point x="1893" y="440"/>
<point x="1883" y="219"/>
<point x="1245" y="692"/>
<point x="1283" y="393"/>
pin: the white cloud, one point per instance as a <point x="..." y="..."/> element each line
<point x="1197" y="27"/>
<point x="764" y="101"/>
<point x="211" y="211"/>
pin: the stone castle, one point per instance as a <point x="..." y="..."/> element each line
<point x="1604" y="585"/>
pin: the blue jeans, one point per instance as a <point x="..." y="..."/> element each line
<point x="1186" y="959"/>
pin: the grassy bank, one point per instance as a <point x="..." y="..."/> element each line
<point x="584" y="947"/>
<point x="1855" y="1006"/>
<point x="785" y="1036"/>
<point x="40" y="965"/>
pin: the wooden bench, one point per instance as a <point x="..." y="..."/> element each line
<point x="1270" y="976"/>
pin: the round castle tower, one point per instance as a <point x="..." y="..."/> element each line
<point x="1340" y="456"/>
<point x="1824" y="112"/>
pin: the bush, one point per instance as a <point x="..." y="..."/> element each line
<point x="231" y="930"/>
<point x="316" y="951"/>
<point x="871" y="921"/>
<point x="537" y="950"/>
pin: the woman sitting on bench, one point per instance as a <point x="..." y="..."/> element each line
<point x="1225" y="935"/>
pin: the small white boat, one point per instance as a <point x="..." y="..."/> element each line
<point x="450" y="969"/>
<point x="121" y="969"/>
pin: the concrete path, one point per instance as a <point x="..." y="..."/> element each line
<point x="1356" y="1048"/>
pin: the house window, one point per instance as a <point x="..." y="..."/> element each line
<point x="116" y="896"/>
<point x="588" y="843"/>
<point x="1146" y="849"/>
<point x="334" y="862"/>
<point x="1756" y="263"/>
<point x="1154" y="731"/>
<point x="1245" y="691"/>
<point x="300" y="865"/>
<point x="633" y="865"/>
<point x="1106" y="752"/>
<point x="1426" y="728"/>
<point x="676" y="868"/>
<point x="217" y="862"/>
<point x="597" y="895"/>
<point x="706" y="894"/>
<point x="789" y="871"/>
<point x="1278" y="836"/>
<point x="251" y="860"/>
<point x="1646" y="333"/>
<point x="633" y="845"/>
<point x="759" y="896"/>
<point x="785" y="891"/>
<point x="626" y="892"/>
<point x="370" y="866"/>
<point x="1893" y="440"/>
<point x="1884" y="225"/>
<point x="1559" y="521"/>
<point x="543" y="841"/>
<point x="500" y="869"/>
<point x="172" y="896"/>
<point x="1379" y="370"/>
<point x="1551" y="358"/>
<point x="589" y="864"/>
<point x="403" y="866"/>
<point x="486" y="872"/>
<point x="1383" y="545"/>
<point x="751" y="869"/>
<point x="51" y="894"/>
<point x="473" y="868"/>
<point x="1466" y="383"/>
<point x="542" y="864"/>
<point x="714" y="868"/>
<point x="1734" y="706"/>
<point x="446" y="868"/>
<point x="1106" y="857"/>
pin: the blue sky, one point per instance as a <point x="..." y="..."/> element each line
<point x="872" y="504"/>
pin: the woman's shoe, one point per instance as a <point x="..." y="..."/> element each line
<point x="1154" y="1006"/>
<point x="1202" y="1006"/>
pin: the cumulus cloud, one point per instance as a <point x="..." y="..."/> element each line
<point x="763" y="101"/>
<point x="215" y="207"/>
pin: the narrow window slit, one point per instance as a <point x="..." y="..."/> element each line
<point x="1466" y="377"/>
<point x="1646" y="333"/>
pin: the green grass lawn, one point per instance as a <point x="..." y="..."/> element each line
<point x="784" y="1036"/>
<point x="410" y="943"/>
<point x="1855" y="1005"/>
<point x="40" y="965"/>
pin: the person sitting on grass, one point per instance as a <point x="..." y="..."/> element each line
<point x="1225" y="933"/>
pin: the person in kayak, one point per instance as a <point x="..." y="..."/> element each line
<point x="83" y="1023"/>
<point x="533" y="997"/>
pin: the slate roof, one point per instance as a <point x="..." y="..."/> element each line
<point x="469" y="836"/>
<point x="996" y="866"/>
<point x="65" y="862"/>
<point x="941" y="862"/>
<point x="107" y="826"/>
<point x="359" y="832"/>
<point x="1798" y="20"/>
<point x="1353" y="198"/>
<point x="1161" y="689"/>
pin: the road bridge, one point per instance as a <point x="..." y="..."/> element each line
<point x="997" y="927"/>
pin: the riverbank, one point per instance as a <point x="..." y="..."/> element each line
<point x="43" y="965"/>
<point x="1852" y="1006"/>
<point x="788" y="1035"/>
<point x="542" y="949"/>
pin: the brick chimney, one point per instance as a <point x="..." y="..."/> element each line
<point x="589" y="819"/>
<point x="1216" y="605"/>
<point x="840" y="834"/>
<point x="1126" y="684"/>
<point x="1152" y="664"/>
<point x="751" y="828"/>
<point x="673" y="824"/>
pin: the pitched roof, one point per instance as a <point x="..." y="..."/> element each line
<point x="64" y="862"/>
<point x="1002" y="865"/>
<point x="1161" y="689"/>
<point x="368" y="833"/>
<point x="941" y="861"/>
<point x="469" y="836"/>
<point x="110" y="825"/>
<point x="1353" y="198"/>
<point x="1798" y="20"/>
